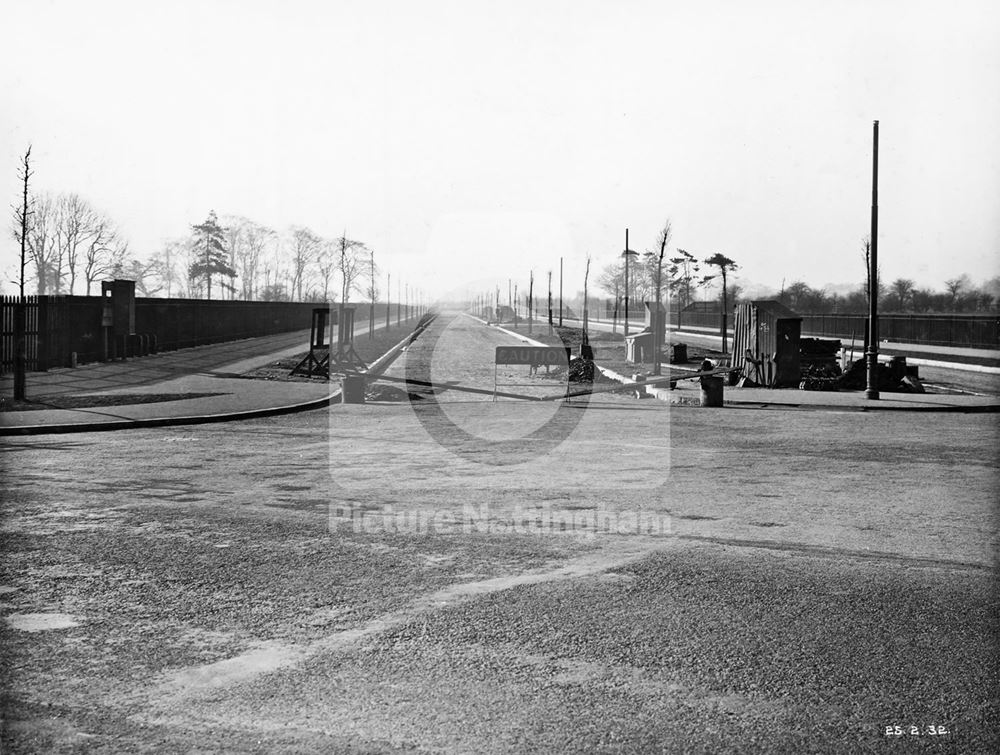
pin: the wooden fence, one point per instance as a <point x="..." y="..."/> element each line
<point x="59" y="326"/>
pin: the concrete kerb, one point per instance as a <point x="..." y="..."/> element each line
<point x="604" y="370"/>
<point x="675" y="399"/>
<point x="665" y="394"/>
<point x="199" y="419"/>
<point x="381" y="364"/>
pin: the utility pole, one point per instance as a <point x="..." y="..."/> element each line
<point x="388" y="295"/>
<point x="585" y="349"/>
<point x="659" y="319"/>
<point x="560" y="291"/>
<point x="531" y="291"/>
<point x="371" y="308"/>
<point x="626" y="254"/>
<point x="871" y="391"/>
<point x="550" y="302"/>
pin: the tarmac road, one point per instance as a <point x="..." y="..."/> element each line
<point x="822" y="576"/>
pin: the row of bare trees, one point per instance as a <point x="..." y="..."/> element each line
<point x="250" y="261"/>
<point x="69" y="244"/>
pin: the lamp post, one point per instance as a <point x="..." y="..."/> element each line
<point x="626" y="254"/>
<point x="560" y="291"/>
<point x="871" y="392"/>
<point x="550" y="302"/>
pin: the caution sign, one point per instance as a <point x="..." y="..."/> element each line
<point x="533" y="355"/>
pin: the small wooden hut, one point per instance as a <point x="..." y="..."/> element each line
<point x="766" y="344"/>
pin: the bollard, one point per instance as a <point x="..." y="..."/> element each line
<point x="352" y="389"/>
<point x="640" y="391"/>
<point x="711" y="391"/>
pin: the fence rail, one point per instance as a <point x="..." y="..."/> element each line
<point x="978" y="331"/>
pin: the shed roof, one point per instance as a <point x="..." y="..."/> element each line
<point x="776" y="309"/>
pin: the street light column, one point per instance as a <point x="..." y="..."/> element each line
<point x="871" y="391"/>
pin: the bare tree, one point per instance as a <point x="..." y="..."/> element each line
<point x="77" y="226"/>
<point x="40" y="242"/>
<point x="902" y="291"/>
<point x="21" y="216"/>
<point x="352" y="256"/>
<point x="612" y="280"/>
<point x="656" y="257"/>
<point x="233" y="232"/>
<point x="327" y="262"/>
<point x="304" y="247"/>
<point x="256" y="239"/>
<point x="168" y="262"/>
<point x="147" y="275"/>
<point x="247" y="242"/>
<point x="105" y="252"/>
<point x="955" y="286"/>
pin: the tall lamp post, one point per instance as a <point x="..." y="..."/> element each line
<point x="871" y="391"/>
<point x="626" y="254"/>
<point x="560" y="292"/>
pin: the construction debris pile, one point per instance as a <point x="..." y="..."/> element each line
<point x="894" y="377"/>
<point x="818" y="363"/>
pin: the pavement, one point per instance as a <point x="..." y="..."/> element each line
<point x="688" y="393"/>
<point x="201" y="384"/>
<point x="206" y="384"/>
<point x="953" y="357"/>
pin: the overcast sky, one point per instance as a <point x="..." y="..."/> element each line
<point x="471" y="141"/>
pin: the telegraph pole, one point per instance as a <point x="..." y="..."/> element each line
<point x="550" y="302"/>
<point x="626" y="254"/>
<point x="531" y="291"/>
<point x="872" y="390"/>
<point x="388" y="295"/>
<point x="560" y="291"/>
<point x="371" y="311"/>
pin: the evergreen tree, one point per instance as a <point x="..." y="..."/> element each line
<point x="211" y="257"/>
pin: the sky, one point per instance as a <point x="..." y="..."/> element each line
<point x="472" y="142"/>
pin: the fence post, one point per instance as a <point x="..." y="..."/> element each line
<point x="42" y="325"/>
